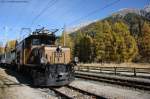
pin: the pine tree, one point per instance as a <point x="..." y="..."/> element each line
<point x="85" y="49"/>
<point x="127" y="47"/>
<point x="104" y="42"/>
<point x="1" y="50"/>
<point x="82" y="47"/>
<point x="10" y="45"/>
<point x="144" y="42"/>
<point x="76" y="46"/>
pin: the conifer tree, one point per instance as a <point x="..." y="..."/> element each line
<point x="144" y="42"/>
<point x="127" y="46"/>
<point x="103" y="42"/>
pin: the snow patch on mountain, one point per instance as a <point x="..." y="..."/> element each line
<point x="77" y="27"/>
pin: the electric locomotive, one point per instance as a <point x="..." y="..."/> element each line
<point x="46" y="63"/>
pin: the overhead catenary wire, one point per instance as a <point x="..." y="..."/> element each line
<point x="95" y="11"/>
<point x="50" y="4"/>
<point x="53" y="2"/>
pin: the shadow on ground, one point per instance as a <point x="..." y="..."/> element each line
<point x="21" y="78"/>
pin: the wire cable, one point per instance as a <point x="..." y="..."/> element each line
<point x="95" y="11"/>
<point x="50" y="4"/>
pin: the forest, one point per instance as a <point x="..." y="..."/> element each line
<point x="116" y="39"/>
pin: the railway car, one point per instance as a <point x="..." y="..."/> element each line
<point x="2" y="59"/>
<point x="46" y="63"/>
<point x="8" y="58"/>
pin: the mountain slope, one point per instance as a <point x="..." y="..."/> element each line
<point x="138" y="26"/>
<point x="134" y="18"/>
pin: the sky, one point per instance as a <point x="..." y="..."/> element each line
<point x="31" y="14"/>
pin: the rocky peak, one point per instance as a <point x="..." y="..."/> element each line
<point x="147" y="8"/>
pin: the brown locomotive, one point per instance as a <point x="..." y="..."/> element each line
<point x="37" y="55"/>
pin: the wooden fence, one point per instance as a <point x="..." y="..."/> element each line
<point x="114" y="70"/>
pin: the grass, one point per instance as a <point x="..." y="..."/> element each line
<point x="132" y="65"/>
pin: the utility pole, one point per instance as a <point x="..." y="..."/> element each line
<point x="64" y="32"/>
<point x="5" y="28"/>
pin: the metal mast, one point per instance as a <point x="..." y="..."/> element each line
<point x="64" y="32"/>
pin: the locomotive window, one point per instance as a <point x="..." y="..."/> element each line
<point x="49" y="42"/>
<point x="40" y="41"/>
<point x="46" y="41"/>
<point x="35" y="42"/>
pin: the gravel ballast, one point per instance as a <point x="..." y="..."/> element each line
<point x="111" y="92"/>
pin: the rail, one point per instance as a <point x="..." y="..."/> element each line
<point x="71" y="92"/>
<point x="115" y="70"/>
<point x="143" y="84"/>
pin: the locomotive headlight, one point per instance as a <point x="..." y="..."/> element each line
<point x="59" y="49"/>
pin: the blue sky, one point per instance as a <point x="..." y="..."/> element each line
<point x="54" y="14"/>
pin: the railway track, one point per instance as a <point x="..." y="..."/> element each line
<point x="116" y="80"/>
<point x="70" y="92"/>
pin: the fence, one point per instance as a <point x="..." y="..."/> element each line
<point x="114" y="70"/>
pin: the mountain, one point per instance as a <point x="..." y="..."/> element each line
<point x="145" y="12"/>
<point x="131" y="16"/>
<point x="134" y="21"/>
<point x="147" y="8"/>
<point x="78" y="27"/>
<point x="123" y="12"/>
